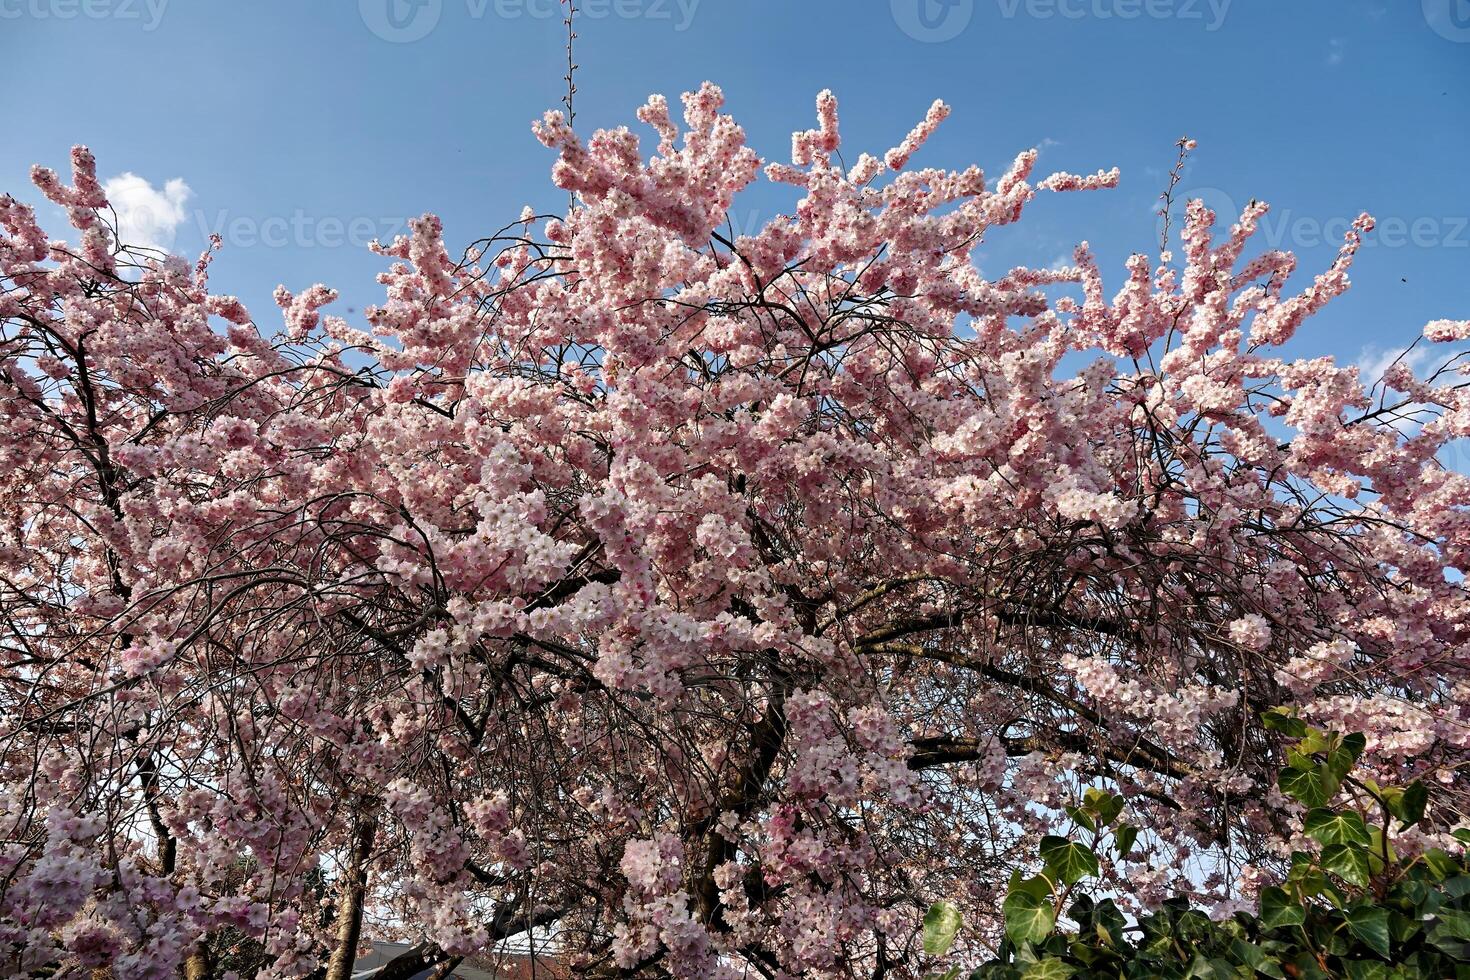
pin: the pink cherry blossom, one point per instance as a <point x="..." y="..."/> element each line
<point x="684" y="600"/>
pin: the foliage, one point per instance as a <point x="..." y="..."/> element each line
<point x="1350" y="906"/>
<point x="696" y="598"/>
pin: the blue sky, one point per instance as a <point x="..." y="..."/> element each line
<point x="301" y="128"/>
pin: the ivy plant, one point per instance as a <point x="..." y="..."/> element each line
<point x="1350" y="907"/>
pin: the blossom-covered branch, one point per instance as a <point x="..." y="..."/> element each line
<point x="687" y="602"/>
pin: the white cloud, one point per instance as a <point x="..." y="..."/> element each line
<point x="1335" y="51"/>
<point x="1422" y="360"/>
<point x="147" y="217"/>
<point x="1374" y="360"/>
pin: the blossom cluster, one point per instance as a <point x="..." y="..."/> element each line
<point x="685" y="599"/>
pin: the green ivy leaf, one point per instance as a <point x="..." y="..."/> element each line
<point x="1068" y="860"/>
<point x="1279" y="909"/>
<point x="1390" y="796"/>
<point x="1098" y="923"/>
<point x="1029" y="917"/>
<point x="1315" y="740"/>
<point x="1446" y="941"/>
<point x="1413" y="802"/>
<point x="1333" y="827"/>
<point x="996" y="971"/>
<point x="1440" y="864"/>
<point x="1376" y="845"/>
<point x="1369" y="924"/>
<point x="1343" y="753"/>
<point x="941" y="925"/>
<point x="1310" y="787"/>
<point x="1401" y="928"/>
<point x="1348" y="861"/>
<point x="1248" y="954"/>
<point x="1081" y="816"/>
<point x="1453" y="922"/>
<point x="1104" y="804"/>
<point x="1124" y="838"/>
<point x="1039" y="886"/>
<point x="1281" y="720"/>
<point x="1297" y="759"/>
<point x="1050" y="968"/>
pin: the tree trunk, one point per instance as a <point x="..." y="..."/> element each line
<point x="349" y="906"/>
<point x="197" y="966"/>
<point x="443" y="970"/>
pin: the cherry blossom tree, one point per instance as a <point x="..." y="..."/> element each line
<point x="693" y="604"/>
